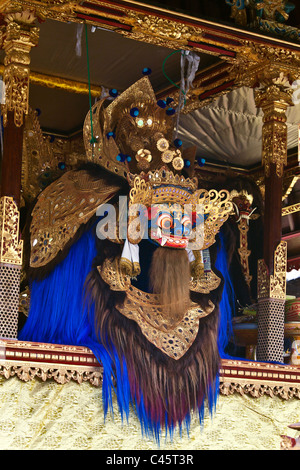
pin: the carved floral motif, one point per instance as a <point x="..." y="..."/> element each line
<point x="273" y="286"/>
<point x="10" y="245"/>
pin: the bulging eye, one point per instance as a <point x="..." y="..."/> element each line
<point x="187" y="225"/>
<point x="165" y="221"/>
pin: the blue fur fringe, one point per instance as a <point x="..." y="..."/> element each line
<point x="228" y="299"/>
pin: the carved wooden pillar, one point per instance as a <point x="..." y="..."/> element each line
<point x="19" y="36"/>
<point x="273" y="98"/>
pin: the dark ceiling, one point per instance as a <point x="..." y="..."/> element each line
<point x="114" y="62"/>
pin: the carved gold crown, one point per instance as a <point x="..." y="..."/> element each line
<point x="134" y="133"/>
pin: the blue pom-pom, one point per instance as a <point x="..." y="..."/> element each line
<point x="161" y="103"/>
<point x="187" y="163"/>
<point x="134" y="112"/>
<point x="128" y="158"/>
<point x="201" y="161"/>
<point x="113" y="92"/>
<point x="110" y="134"/>
<point x="169" y="100"/>
<point x="61" y="165"/>
<point x="170" y="111"/>
<point x="38" y="111"/>
<point x="121" y="157"/>
<point x="147" y="71"/>
<point x="178" y="143"/>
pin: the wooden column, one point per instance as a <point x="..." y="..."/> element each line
<point x="11" y="169"/>
<point x="19" y="37"/>
<point x="274" y="99"/>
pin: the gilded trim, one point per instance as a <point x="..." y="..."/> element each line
<point x="291" y="209"/>
<point x="273" y="286"/>
<point x="257" y="379"/>
<point x="11" y="247"/>
<point x="61" y="363"/>
<point x="65" y="363"/>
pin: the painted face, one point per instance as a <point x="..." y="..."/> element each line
<point x="170" y="225"/>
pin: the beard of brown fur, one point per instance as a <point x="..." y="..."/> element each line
<point x="169" y="279"/>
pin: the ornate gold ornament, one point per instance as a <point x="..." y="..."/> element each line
<point x="216" y="208"/>
<point x="11" y="246"/>
<point x="174" y="339"/>
<point x="61" y="363"/>
<point x="114" y="276"/>
<point x="243" y="249"/>
<point x="28" y="361"/>
<point x="243" y="213"/>
<point x="118" y="133"/>
<point x="204" y="284"/>
<point x="291" y="209"/>
<point x="61" y="209"/>
<point x="273" y="286"/>
<point x="20" y="36"/>
<point x="157" y="30"/>
<point x="257" y="379"/>
<point x="274" y="99"/>
<point x="44" y="161"/>
<point x="143" y="157"/>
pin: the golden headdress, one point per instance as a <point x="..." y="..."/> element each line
<point x="133" y="133"/>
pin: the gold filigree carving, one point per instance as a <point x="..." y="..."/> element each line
<point x="46" y="361"/>
<point x="174" y="339"/>
<point x="21" y="35"/>
<point x="243" y="250"/>
<point x="11" y="247"/>
<point x="216" y="210"/>
<point x="157" y="30"/>
<point x="44" y="161"/>
<point x="291" y="209"/>
<point x="242" y="214"/>
<point x="61" y="375"/>
<point x="273" y="286"/>
<point x="61" y="209"/>
<point x="257" y="64"/>
<point x="257" y="390"/>
<point x="274" y="99"/>
<point x="257" y="379"/>
<point x="113" y="276"/>
<point x="207" y="282"/>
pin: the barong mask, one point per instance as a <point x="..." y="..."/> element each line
<point x="167" y="334"/>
